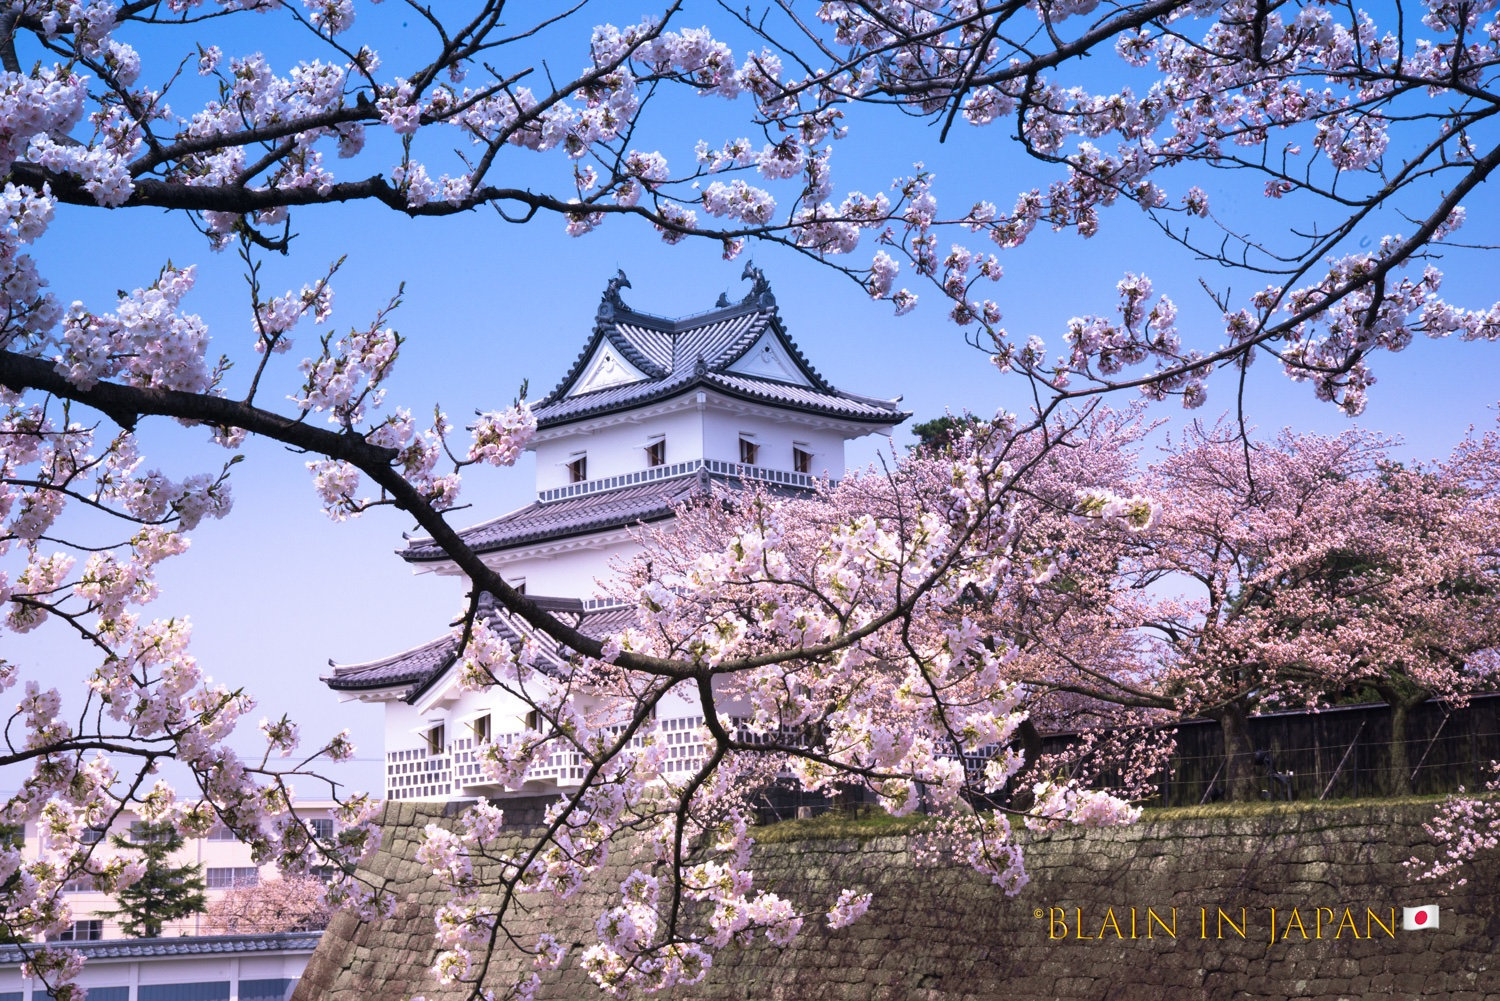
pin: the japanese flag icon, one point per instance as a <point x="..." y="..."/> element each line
<point x="1415" y="918"/>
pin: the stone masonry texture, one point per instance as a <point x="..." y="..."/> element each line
<point x="945" y="934"/>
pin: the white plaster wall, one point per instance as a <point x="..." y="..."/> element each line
<point x="404" y="726"/>
<point x="137" y="972"/>
<point x="619" y="448"/>
<point x="574" y="574"/>
<point x="722" y="430"/>
<point x="507" y="713"/>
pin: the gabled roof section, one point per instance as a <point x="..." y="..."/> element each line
<point x="741" y="347"/>
<point x="608" y="368"/>
<point x="416" y="670"/>
<point x="568" y="517"/>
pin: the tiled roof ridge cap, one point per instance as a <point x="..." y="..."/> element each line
<point x="675" y="325"/>
<point x="170" y="945"/>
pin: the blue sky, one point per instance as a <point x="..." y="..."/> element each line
<point x="276" y="589"/>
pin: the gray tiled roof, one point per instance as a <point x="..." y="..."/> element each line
<point x="187" y="945"/>
<point x="680" y="354"/>
<point x="404" y="668"/>
<point x="418" y="668"/>
<point x="561" y="519"/>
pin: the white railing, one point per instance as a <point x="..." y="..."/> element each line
<point x="782" y="477"/>
<point x="651" y="475"/>
<point x="416" y="773"/>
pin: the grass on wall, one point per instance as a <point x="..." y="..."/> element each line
<point x="871" y="822"/>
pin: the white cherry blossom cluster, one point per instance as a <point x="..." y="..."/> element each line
<point x="500" y="436"/>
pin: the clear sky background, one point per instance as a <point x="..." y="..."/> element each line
<point x="276" y="590"/>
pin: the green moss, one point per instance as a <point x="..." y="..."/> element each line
<point x="1235" y="810"/>
<point x="868" y="823"/>
<point x="863" y="824"/>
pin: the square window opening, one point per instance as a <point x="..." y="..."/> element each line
<point x="656" y="452"/>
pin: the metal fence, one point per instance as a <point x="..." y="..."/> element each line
<point x="1335" y="753"/>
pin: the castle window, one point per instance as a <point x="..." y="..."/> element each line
<point x="435" y="740"/>
<point x="481" y="728"/>
<point x="578" y="468"/>
<point x="534" y="720"/>
<point x="801" y="458"/>
<point x="656" y="452"/>
<point x="749" y="450"/>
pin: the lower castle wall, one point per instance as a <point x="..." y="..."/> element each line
<point x="945" y="934"/>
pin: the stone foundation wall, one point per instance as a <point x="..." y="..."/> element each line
<point x="1333" y="874"/>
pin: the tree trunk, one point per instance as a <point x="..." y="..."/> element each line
<point x="1398" y="760"/>
<point x="1238" y="776"/>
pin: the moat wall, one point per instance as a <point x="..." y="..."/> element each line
<point x="947" y="935"/>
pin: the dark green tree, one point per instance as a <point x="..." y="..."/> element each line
<point x="941" y="434"/>
<point x="165" y="892"/>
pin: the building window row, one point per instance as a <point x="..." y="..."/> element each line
<point x="655" y="448"/>
<point x="802" y="456"/>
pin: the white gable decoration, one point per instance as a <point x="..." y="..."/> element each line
<point x="767" y="359"/>
<point x="604" y="370"/>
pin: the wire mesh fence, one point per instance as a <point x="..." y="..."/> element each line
<point x="1336" y="753"/>
<point x="1340" y="752"/>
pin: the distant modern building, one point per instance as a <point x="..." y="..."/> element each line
<point x="225" y="860"/>
<point x="199" y="968"/>
<point x="653" y="412"/>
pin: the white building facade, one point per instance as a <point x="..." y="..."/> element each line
<point x="225" y="863"/>
<point x="202" y="968"/>
<point x="653" y="412"/>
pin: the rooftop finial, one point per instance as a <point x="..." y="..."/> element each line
<point x="611" y="300"/>
<point x="760" y="289"/>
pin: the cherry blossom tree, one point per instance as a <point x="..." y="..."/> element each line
<point x="298" y="903"/>
<point x="146" y="105"/>
<point x="1305" y="569"/>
